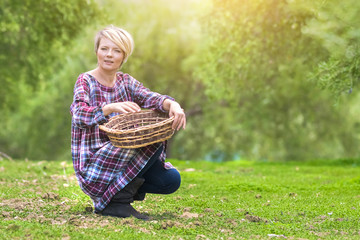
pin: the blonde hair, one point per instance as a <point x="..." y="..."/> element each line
<point x="119" y="36"/>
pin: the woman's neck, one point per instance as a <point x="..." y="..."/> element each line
<point x="105" y="78"/>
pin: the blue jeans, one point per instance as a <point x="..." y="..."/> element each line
<point x="158" y="179"/>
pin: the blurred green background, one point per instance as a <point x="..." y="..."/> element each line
<point x="262" y="79"/>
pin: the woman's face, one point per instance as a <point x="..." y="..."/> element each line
<point x="109" y="55"/>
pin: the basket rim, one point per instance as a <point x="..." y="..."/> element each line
<point x="133" y="130"/>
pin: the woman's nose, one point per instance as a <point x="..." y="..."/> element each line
<point x="109" y="53"/>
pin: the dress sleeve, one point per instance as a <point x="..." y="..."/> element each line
<point x="146" y="98"/>
<point x="83" y="114"/>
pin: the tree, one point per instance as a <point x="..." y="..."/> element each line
<point x="36" y="36"/>
<point x="254" y="68"/>
<point x="336" y="26"/>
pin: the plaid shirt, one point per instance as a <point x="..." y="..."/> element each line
<point x="102" y="169"/>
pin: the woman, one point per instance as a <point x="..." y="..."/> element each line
<point x="114" y="177"/>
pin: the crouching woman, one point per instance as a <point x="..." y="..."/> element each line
<point x="114" y="177"/>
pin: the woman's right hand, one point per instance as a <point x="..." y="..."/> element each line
<point x="121" y="107"/>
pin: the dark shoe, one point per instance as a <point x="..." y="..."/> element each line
<point x="122" y="210"/>
<point x="138" y="215"/>
<point x="119" y="205"/>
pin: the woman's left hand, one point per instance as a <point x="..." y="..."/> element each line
<point x="178" y="113"/>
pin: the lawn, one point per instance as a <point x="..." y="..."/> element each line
<point x="232" y="200"/>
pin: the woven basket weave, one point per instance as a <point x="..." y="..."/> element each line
<point x="135" y="130"/>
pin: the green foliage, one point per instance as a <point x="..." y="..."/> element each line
<point x="36" y="38"/>
<point x="254" y="68"/>
<point x="247" y="200"/>
<point x="338" y="75"/>
<point x="34" y="33"/>
<point x="336" y="26"/>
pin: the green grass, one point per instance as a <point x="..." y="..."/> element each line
<point x="233" y="200"/>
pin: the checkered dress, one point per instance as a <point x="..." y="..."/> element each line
<point x="102" y="169"/>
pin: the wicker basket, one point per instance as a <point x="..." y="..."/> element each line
<point x="135" y="130"/>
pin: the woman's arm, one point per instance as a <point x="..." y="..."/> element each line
<point x="83" y="114"/>
<point x="143" y="96"/>
<point x="175" y="110"/>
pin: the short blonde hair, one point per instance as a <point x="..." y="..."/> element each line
<point x="119" y="36"/>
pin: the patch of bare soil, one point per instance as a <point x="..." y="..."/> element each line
<point x="37" y="209"/>
<point x="170" y="223"/>
<point x="50" y="208"/>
